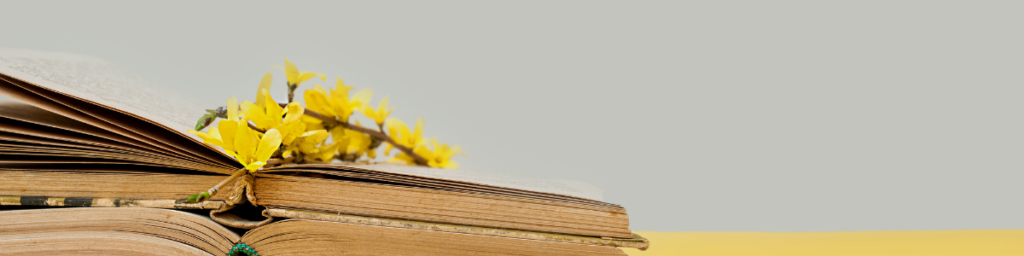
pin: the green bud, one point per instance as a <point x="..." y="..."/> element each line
<point x="203" y="197"/>
<point x="191" y="199"/>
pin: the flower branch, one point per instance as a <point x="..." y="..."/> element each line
<point x="267" y="133"/>
<point x="375" y="134"/>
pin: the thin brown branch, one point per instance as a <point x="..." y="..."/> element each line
<point x="239" y="173"/>
<point x="376" y="134"/>
<point x="254" y="128"/>
<point x="199" y="198"/>
<point x="291" y="91"/>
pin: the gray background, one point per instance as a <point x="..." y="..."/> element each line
<point x="722" y="115"/>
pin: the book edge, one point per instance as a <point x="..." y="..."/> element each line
<point x="636" y="241"/>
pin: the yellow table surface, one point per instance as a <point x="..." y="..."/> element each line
<point x="880" y="243"/>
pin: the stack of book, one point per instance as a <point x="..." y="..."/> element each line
<point x="91" y="162"/>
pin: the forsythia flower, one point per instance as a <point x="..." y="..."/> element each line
<point x="324" y="153"/>
<point x="439" y="157"/>
<point x="295" y="76"/>
<point x="338" y="105"/>
<point x="309" y="145"/>
<point x="399" y="132"/>
<point x="253" y="151"/>
<point x="266" y="114"/>
<point x="352" y="142"/>
<point x="381" y="112"/>
<point x="238" y="140"/>
<point x="442" y="154"/>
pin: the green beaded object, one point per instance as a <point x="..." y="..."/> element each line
<point x="242" y="248"/>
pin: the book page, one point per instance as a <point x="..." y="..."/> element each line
<point x="98" y="81"/>
<point x="562" y="187"/>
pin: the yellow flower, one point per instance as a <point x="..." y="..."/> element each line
<point x="439" y="157"/>
<point x="381" y="112"/>
<point x="324" y="153"/>
<point x="311" y="139"/>
<point x="317" y="100"/>
<point x="442" y="154"/>
<point x="262" y="114"/>
<point x="253" y="151"/>
<point x="266" y="114"/>
<point x="309" y="145"/>
<point x="295" y="76"/>
<point x="339" y="105"/>
<point x="400" y="133"/>
<point x="312" y="123"/>
<point x="233" y="134"/>
<point x="352" y="142"/>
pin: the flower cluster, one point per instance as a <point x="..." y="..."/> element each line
<point x="266" y="132"/>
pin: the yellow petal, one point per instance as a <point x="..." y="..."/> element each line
<point x="273" y="109"/>
<point x="295" y="111"/>
<point x="363" y="96"/>
<point x="269" y="144"/>
<point x="228" y="130"/>
<point x="311" y="133"/>
<point x="418" y="131"/>
<point x="383" y="104"/>
<point x="310" y="120"/>
<point x="396" y="127"/>
<point x="311" y="139"/>
<point x="451" y="165"/>
<point x="319" y="136"/>
<point x="246" y="143"/>
<point x="232" y="108"/>
<point x="369" y="112"/>
<point x="307" y="75"/>
<point x="257" y="115"/>
<point x="316" y="100"/>
<point x="326" y="153"/>
<point x="215" y="133"/>
<point x="252" y="167"/>
<point x="232" y="154"/>
<point x="291" y="72"/>
<point x="290" y="131"/>
<point x="358" y="142"/>
<point x="264" y="86"/>
<point x="213" y="137"/>
<point x="341" y="86"/>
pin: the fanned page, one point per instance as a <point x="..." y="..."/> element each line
<point x="95" y="92"/>
<point x="95" y="80"/>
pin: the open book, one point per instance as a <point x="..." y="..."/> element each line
<point x="147" y="231"/>
<point x="85" y="134"/>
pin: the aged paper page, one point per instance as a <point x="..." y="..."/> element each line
<point x="95" y="80"/>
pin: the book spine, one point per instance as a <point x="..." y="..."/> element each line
<point x="105" y="202"/>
